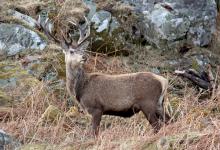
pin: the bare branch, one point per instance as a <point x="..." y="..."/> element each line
<point x="200" y="79"/>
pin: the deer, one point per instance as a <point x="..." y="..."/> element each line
<point x="119" y="95"/>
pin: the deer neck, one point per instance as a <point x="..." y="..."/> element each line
<point x="76" y="80"/>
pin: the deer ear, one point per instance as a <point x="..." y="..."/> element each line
<point x="65" y="51"/>
<point x="83" y="46"/>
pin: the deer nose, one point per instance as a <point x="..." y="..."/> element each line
<point x="84" y="58"/>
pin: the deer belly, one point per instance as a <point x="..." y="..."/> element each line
<point x="118" y="104"/>
<point x="123" y="113"/>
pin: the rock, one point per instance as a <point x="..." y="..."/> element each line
<point x="167" y="24"/>
<point x="171" y="23"/>
<point x="17" y="38"/>
<point x="51" y="114"/>
<point x="155" y="70"/>
<point x="104" y="37"/>
<point x="101" y="20"/>
<point x="162" y="31"/>
<point x="17" y="77"/>
<point x="107" y="34"/>
<point x="26" y="19"/>
<point x="196" y="59"/>
<point x="4" y="138"/>
<point x="173" y="141"/>
<point x="47" y="65"/>
<point x="29" y="8"/>
<point x="92" y="8"/>
<point x="7" y="142"/>
<point x="15" y="83"/>
<point x="168" y="142"/>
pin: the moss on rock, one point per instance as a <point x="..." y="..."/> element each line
<point x="15" y="82"/>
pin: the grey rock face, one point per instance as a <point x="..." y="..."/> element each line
<point x="169" y="23"/>
<point x="104" y="26"/>
<point x="26" y="19"/>
<point x="101" y="20"/>
<point x="6" y="139"/>
<point x="15" y="38"/>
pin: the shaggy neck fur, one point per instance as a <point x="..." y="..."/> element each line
<point x="76" y="80"/>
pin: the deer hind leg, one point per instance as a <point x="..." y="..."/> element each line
<point x="96" y="119"/>
<point x="151" y="115"/>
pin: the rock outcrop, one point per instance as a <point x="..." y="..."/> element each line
<point x="16" y="38"/>
<point x="172" y="23"/>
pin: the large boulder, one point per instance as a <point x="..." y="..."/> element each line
<point x="16" y="38"/>
<point x="22" y="17"/>
<point x="19" y="76"/>
<point x="171" y="23"/>
<point x="105" y="27"/>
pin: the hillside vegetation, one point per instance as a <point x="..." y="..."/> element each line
<point x="44" y="118"/>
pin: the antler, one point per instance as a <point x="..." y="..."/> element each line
<point x="84" y="31"/>
<point x="64" y="44"/>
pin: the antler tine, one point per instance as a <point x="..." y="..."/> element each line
<point x="82" y="31"/>
<point x="48" y="33"/>
<point x="66" y="43"/>
<point x="72" y="23"/>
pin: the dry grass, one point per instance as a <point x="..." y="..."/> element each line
<point x="196" y="123"/>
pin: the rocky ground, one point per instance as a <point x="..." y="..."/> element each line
<point x="36" y="111"/>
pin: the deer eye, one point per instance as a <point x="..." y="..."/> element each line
<point x="72" y="52"/>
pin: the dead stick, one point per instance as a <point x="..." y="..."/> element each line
<point x="196" y="80"/>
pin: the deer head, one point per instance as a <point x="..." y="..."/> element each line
<point x="75" y="54"/>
